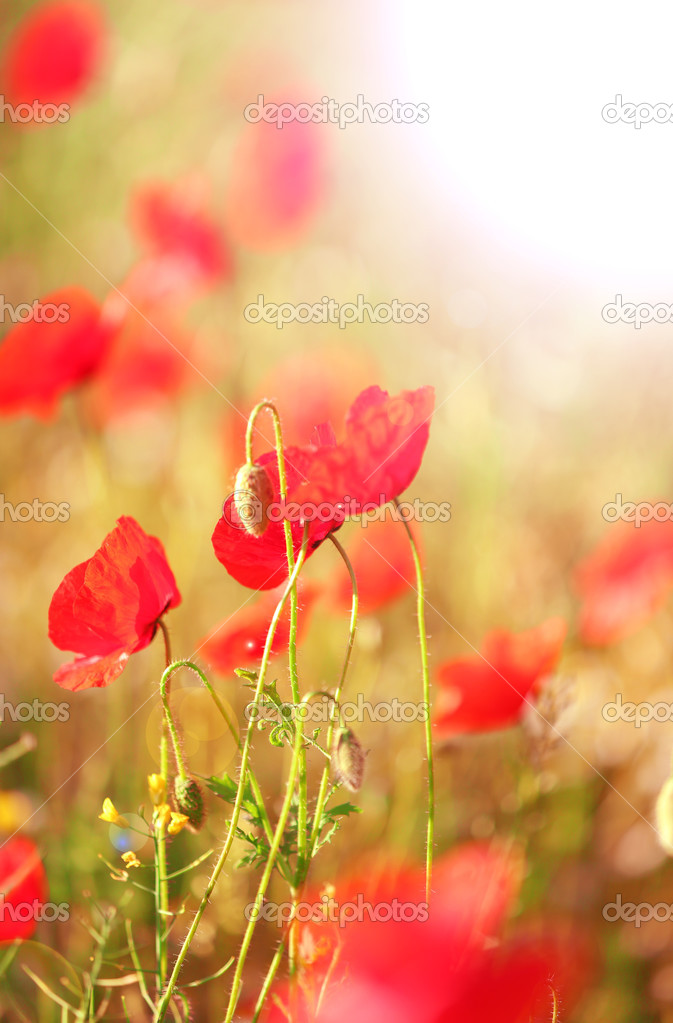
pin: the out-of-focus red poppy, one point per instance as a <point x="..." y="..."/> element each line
<point x="390" y="957"/>
<point x="239" y="641"/>
<point x="54" y="53"/>
<point x="379" y="457"/>
<point x="146" y="363"/>
<point x="109" y="607"/>
<point x="488" y="692"/>
<point x="381" y="557"/>
<point x="277" y="184"/>
<point x="313" y="387"/>
<point x="625" y="580"/>
<point x="59" y="347"/>
<point x="23" y="888"/>
<point x="186" y="248"/>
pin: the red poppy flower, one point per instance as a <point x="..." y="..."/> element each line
<point x="277" y="184"/>
<point x="109" y="607"/>
<point x="23" y="888"/>
<point x="383" y="564"/>
<point x="147" y="362"/>
<point x="185" y="245"/>
<point x="54" y="53"/>
<point x="59" y="347"/>
<point x="239" y="641"/>
<point x="389" y="957"/>
<point x="625" y="580"/>
<point x="379" y="457"/>
<point x="488" y="692"/>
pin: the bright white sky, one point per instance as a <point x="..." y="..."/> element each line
<point x="516" y="91"/>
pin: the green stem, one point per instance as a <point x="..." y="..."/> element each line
<point x="334" y="717"/>
<point x="423" y="640"/>
<point x="160" y="857"/>
<point x="165" y="1000"/>
<point x="268" y="980"/>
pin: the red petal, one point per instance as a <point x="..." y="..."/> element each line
<point x="112" y="602"/>
<point x="277" y="184"/>
<point x="488" y="692"/>
<point x="40" y="361"/>
<point x="385" y="441"/>
<point x="23" y="883"/>
<point x="55" y="52"/>
<point x="383" y="564"/>
<point x="91" y="672"/>
<point x="625" y="580"/>
<point x="239" y="641"/>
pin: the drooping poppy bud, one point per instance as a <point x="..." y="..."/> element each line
<point x="253" y="493"/>
<point x="348" y="759"/>
<point x="189" y="801"/>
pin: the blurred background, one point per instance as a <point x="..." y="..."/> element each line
<point x="516" y="213"/>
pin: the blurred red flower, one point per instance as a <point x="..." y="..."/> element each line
<point x="23" y="888"/>
<point x="385" y="440"/>
<point x="186" y="248"/>
<point x="146" y="363"/>
<point x="54" y="53"/>
<point x="238" y="642"/>
<point x="277" y="184"/>
<point x="43" y="357"/>
<point x="108" y="607"/>
<point x="625" y="580"/>
<point x="391" y="958"/>
<point x="383" y="564"/>
<point x="486" y="692"/>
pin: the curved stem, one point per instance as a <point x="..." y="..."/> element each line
<point x="334" y="717"/>
<point x="165" y="1000"/>
<point x="423" y="640"/>
<point x="161" y="864"/>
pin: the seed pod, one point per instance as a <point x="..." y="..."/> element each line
<point x="664" y="816"/>
<point x="348" y="759"/>
<point x="189" y="801"/>
<point x="253" y="493"/>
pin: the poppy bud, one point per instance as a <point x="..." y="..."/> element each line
<point x="253" y="493"/>
<point x="348" y="759"/>
<point x="664" y="816"/>
<point x="189" y="801"/>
